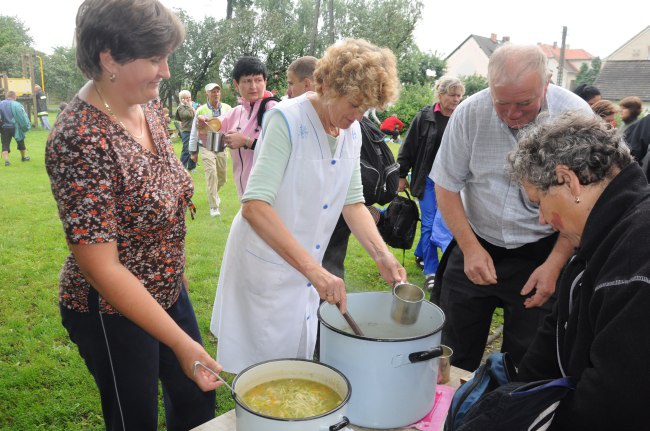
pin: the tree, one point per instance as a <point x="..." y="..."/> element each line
<point x="279" y="31"/>
<point x="588" y="75"/>
<point x="314" y="28"/>
<point x="195" y="63"/>
<point x="61" y="74"/>
<point x="387" y="23"/>
<point x="232" y="3"/>
<point x="474" y="84"/>
<point x="14" y="41"/>
<point x="413" y="66"/>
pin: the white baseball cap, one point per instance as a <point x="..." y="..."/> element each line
<point x="211" y="86"/>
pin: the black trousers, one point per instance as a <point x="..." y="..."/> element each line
<point x="6" y="134"/>
<point x="469" y="307"/>
<point x="334" y="257"/>
<point x="127" y="364"/>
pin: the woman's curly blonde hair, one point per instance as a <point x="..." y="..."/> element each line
<point x="361" y="72"/>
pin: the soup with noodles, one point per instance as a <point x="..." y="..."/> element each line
<point x="292" y="398"/>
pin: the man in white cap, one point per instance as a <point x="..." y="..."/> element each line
<point x="214" y="161"/>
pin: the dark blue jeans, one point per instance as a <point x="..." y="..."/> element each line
<point x="127" y="364"/>
<point x="185" y="152"/>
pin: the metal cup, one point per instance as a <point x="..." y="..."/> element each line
<point x="444" y="365"/>
<point x="215" y="142"/>
<point x="407" y="301"/>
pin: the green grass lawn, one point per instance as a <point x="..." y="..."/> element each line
<point x="44" y="384"/>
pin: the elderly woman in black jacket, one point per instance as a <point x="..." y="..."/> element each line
<point x="590" y="190"/>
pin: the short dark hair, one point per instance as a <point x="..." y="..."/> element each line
<point x="129" y="29"/>
<point x="247" y="66"/>
<point x="586" y="92"/>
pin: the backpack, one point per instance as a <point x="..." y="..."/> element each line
<point x="518" y="406"/>
<point x="262" y="110"/>
<point x="492" y="401"/>
<point x="399" y="222"/>
<point x="379" y="171"/>
<point x="497" y="370"/>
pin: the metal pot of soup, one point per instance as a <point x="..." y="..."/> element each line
<point x="291" y="395"/>
<point x="393" y="367"/>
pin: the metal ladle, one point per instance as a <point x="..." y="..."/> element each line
<point x="355" y="328"/>
<point x="201" y="364"/>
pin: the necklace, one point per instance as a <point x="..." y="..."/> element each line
<point x="330" y="128"/>
<point x="110" y="111"/>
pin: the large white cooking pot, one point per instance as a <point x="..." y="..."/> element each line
<point x="393" y="368"/>
<point x="249" y="420"/>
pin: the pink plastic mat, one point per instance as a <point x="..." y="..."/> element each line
<point x="434" y="420"/>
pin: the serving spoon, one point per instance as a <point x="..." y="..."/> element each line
<point x="355" y="328"/>
<point x="201" y="364"/>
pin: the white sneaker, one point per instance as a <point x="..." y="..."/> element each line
<point x="214" y="212"/>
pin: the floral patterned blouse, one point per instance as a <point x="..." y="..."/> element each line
<point x="108" y="188"/>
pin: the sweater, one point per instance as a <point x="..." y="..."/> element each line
<point x="598" y="330"/>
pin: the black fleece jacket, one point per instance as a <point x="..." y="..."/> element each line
<point x="599" y="329"/>
<point x="420" y="147"/>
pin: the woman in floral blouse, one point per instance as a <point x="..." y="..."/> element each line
<point x="122" y="196"/>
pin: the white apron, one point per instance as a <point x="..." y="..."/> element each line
<point x="263" y="305"/>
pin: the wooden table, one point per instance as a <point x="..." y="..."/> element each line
<point x="226" y="422"/>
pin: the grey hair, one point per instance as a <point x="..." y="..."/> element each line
<point x="183" y="93"/>
<point x="582" y="142"/>
<point x="508" y="63"/>
<point x="446" y="83"/>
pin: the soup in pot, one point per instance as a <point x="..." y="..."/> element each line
<point x="292" y="398"/>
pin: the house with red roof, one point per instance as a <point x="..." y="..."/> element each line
<point x="472" y="55"/>
<point x="565" y="73"/>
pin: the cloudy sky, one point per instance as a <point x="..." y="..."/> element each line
<point x="597" y="26"/>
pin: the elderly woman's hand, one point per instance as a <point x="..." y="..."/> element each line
<point x="542" y="281"/>
<point x="390" y="268"/>
<point x="330" y="288"/>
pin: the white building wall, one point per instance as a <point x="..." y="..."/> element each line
<point x="637" y="49"/>
<point x="469" y="59"/>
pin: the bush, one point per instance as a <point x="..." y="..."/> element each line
<point x="413" y="97"/>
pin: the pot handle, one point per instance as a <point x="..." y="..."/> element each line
<point x="425" y="355"/>
<point x="342" y="424"/>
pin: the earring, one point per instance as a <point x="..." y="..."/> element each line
<point x="112" y="77"/>
<point x="577" y="199"/>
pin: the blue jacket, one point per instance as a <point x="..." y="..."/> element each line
<point x="14" y="115"/>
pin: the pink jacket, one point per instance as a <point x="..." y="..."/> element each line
<point x="243" y="119"/>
